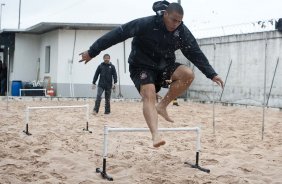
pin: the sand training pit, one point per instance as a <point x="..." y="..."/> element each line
<point x="59" y="151"/>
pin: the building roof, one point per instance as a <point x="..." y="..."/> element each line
<point x="44" y="27"/>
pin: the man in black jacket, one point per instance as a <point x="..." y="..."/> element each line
<point x="3" y="78"/>
<point x="152" y="60"/>
<point x="107" y="73"/>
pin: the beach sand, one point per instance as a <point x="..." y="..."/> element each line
<point x="59" y="151"/>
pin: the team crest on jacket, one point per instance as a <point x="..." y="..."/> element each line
<point x="143" y="75"/>
<point x="176" y="33"/>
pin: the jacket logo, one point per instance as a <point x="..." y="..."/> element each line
<point x="176" y="33"/>
<point x="143" y="75"/>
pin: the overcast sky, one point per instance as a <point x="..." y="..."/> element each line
<point x="197" y="13"/>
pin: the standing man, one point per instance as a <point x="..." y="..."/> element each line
<point x="107" y="73"/>
<point x="3" y="78"/>
<point x="152" y="59"/>
<point x="1" y="73"/>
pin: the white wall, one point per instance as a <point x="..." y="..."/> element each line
<point x="70" y="44"/>
<point x="81" y="73"/>
<point x="65" y="49"/>
<point x="28" y="49"/>
<point x="26" y="54"/>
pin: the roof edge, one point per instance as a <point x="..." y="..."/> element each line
<point x="44" y="27"/>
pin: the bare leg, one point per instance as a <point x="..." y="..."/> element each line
<point x="150" y="113"/>
<point x="181" y="80"/>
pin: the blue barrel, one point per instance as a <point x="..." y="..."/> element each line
<point x="16" y="86"/>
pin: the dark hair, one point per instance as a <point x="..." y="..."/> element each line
<point x="175" y="7"/>
<point x="106" y="55"/>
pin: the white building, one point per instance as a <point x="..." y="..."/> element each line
<point x="52" y="50"/>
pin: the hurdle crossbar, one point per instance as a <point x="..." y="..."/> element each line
<point x="109" y="129"/>
<point x="27" y="113"/>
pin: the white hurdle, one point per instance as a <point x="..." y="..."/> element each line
<point x="109" y="129"/>
<point x="27" y="112"/>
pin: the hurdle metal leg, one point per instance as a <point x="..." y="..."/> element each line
<point x="26" y="121"/>
<point x="198" y="148"/>
<point x="26" y="130"/>
<point x="87" y="119"/>
<point x="105" y="155"/>
<point x="86" y="129"/>
<point x="103" y="172"/>
<point x="196" y="165"/>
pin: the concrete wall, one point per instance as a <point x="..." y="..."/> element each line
<point x="245" y="82"/>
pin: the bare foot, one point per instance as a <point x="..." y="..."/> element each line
<point x="163" y="113"/>
<point x="158" y="142"/>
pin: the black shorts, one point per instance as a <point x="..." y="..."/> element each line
<point x="141" y="76"/>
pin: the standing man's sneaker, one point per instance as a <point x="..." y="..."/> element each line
<point x="107" y="112"/>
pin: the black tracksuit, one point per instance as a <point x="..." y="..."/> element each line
<point x="107" y="73"/>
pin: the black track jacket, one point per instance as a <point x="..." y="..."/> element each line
<point x="153" y="46"/>
<point x="107" y="73"/>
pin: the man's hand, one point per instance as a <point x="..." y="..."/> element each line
<point x="85" y="57"/>
<point x="114" y="88"/>
<point x="93" y="86"/>
<point x="218" y="80"/>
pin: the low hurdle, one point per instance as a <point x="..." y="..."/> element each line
<point x="56" y="107"/>
<point x="109" y="129"/>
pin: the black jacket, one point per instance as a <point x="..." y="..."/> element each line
<point x="107" y="73"/>
<point x="153" y="46"/>
<point x="3" y="73"/>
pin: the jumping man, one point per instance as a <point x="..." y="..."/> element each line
<point x="152" y="60"/>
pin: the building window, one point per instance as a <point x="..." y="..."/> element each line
<point x="47" y="59"/>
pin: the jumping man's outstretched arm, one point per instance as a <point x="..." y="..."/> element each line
<point x="117" y="35"/>
<point x="192" y="51"/>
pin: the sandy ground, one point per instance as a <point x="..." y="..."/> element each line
<point x="59" y="151"/>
